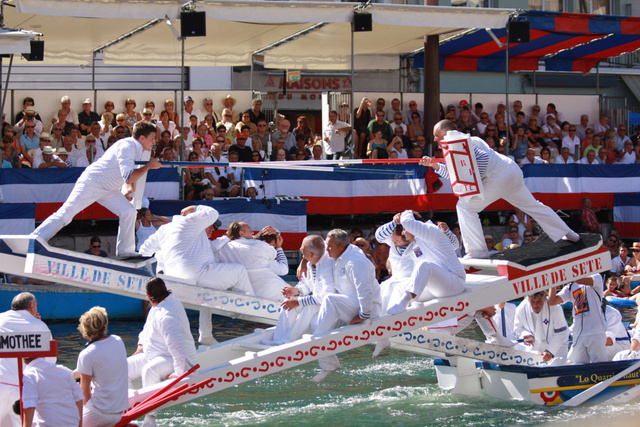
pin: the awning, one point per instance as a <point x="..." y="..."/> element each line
<point x="15" y="41"/>
<point x="564" y="41"/>
<point x="236" y="29"/>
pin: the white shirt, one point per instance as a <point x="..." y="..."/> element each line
<point x="617" y="265"/>
<point x="400" y="257"/>
<point x="355" y="276"/>
<point x="536" y="161"/>
<point x="615" y="327"/>
<point x="567" y="141"/>
<point x="172" y="129"/>
<point x="585" y="161"/>
<point x="52" y="390"/>
<point x="588" y="318"/>
<point x="18" y="321"/>
<point x="336" y="141"/>
<point x="113" y="169"/>
<point x="167" y="333"/>
<point x="559" y="160"/>
<point x="432" y="245"/>
<point x="549" y="327"/>
<point x="628" y="158"/>
<point x="182" y="246"/>
<point x="318" y="280"/>
<point x="216" y="172"/>
<point x="106" y="362"/>
<point x="194" y="112"/>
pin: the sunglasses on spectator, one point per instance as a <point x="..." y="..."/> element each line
<point x="29" y="127"/>
<point x="46" y="139"/>
<point x="119" y="131"/>
<point x="242" y="139"/>
<point x="513" y="231"/>
<point x="413" y="105"/>
<point x="262" y="126"/>
<point x="96" y="246"/>
<point x="360" y="245"/>
<point x="208" y="103"/>
<point x="109" y="105"/>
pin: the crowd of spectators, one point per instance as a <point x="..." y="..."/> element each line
<point x="374" y="130"/>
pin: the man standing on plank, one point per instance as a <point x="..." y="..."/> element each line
<point x="501" y="179"/>
<point x="102" y="182"/>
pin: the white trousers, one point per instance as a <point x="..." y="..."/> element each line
<point x="93" y="417"/>
<point x="83" y="195"/>
<point x="429" y="281"/>
<point x="507" y="184"/>
<point x="588" y="349"/>
<point x="336" y="308"/>
<point x="392" y="290"/>
<point x="152" y="372"/>
<point x="292" y="324"/>
<point x="617" y="347"/>
<point x="221" y="276"/>
<point x="8" y="395"/>
<point x="266" y="284"/>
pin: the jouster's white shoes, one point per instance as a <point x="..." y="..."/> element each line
<point x="210" y="340"/>
<point x="572" y="236"/>
<point x="401" y="306"/>
<point x="381" y="346"/>
<point x="321" y="376"/>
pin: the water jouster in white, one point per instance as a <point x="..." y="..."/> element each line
<point x="102" y="182"/>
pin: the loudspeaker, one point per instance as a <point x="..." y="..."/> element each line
<point x="519" y="31"/>
<point x="37" y="51"/>
<point x="362" y="22"/>
<point x="193" y="24"/>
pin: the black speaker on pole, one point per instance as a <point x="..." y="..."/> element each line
<point x="37" y="51"/>
<point x="193" y="24"/>
<point x="519" y="31"/>
<point x="362" y="22"/>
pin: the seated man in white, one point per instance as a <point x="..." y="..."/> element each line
<point x="165" y="345"/>
<point x="401" y="257"/>
<point x="543" y="328"/>
<point x="300" y="309"/>
<point x="357" y="296"/>
<point x="617" y="337"/>
<point x="183" y="250"/>
<point x="437" y="270"/>
<point x="262" y="256"/>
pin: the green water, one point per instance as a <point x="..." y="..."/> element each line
<point x="397" y="388"/>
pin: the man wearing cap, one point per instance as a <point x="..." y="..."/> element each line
<point x="49" y="160"/>
<point x="183" y="249"/>
<point x="102" y="182"/>
<point x="30" y="116"/>
<point x="244" y="151"/>
<point x="86" y="117"/>
<point x="190" y="110"/>
<point x="229" y="102"/>
<point x="71" y="116"/>
<point x="494" y="170"/>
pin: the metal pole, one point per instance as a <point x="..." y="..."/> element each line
<point x="506" y="90"/>
<point x="182" y="102"/>
<point x="6" y="83"/>
<point x="354" y="133"/>
<point x="431" y="85"/>
<point x="251" y="76"/>
<point x="93" y="79"/>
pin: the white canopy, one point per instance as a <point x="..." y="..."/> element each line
<point x="15" y="41"/>
<point x="237" y="29"/>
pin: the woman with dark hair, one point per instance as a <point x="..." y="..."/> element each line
<point x="303" y="129"/>
<point x="102" y="366"/>
<point x="193" y="180"/>
<point x="148" y="224"/>
<point x="95" y="245"/>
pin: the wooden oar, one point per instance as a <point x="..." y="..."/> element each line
<point x="598" y="388"/>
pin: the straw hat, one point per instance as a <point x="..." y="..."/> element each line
<point x="229" y="97"/>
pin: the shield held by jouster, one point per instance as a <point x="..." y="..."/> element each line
<point x="461" y="164"/>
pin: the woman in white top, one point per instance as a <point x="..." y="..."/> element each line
<point x="147" y="225"/>
<point x="102" y="367"/>
<point x="166" y="124"/>
<point x="396" y="146"/>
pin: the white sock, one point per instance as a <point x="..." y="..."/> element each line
<point x="401" y="306"/>
<point x="572" y="236"/>
<point x="381" y="346"/>
<point x="321" y="376"/>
